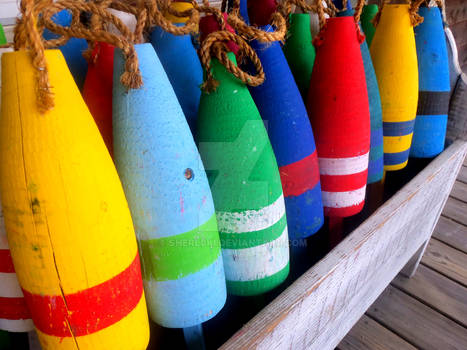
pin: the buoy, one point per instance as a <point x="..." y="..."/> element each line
<point x="97" y="90"/>
<point x="339" y="113"/>
<point x="434" y="85"/>
<point x="245" y="183"/>
<point x="284" y="113"/>
<point x="72" y="50"/>
<point x="169" y="198"/>
<point x="397" y="81"/>
<point x="14" y="314"/>
<point x="260" y="11"/>
<point x="299" y="50"/>
<point x="3" y="40"/>
<point x="369" y="12"/>
<point x="181" y="63"/>
<point x="376" y="156"/>
<point x="69" y="228"/>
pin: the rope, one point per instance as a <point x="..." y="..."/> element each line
<point x="214" y="46"/>
<point x="131" y="78"/>
<point x="27" y="36"/>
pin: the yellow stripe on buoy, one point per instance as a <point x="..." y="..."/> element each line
<point x="66" y="216"/>
<point x="394" y="144"/>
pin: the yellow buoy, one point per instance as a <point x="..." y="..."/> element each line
<point x="68" y="224"/>
<point x="395" y="60"/>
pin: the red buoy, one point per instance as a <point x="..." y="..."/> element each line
<point x="97" y="91"/>
<point x="339" y="113"/>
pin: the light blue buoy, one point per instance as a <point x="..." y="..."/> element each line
<point x="434" y="85"/>
<point x="181" y="63"/>
<point x="282" y="108"/>
<point x="169" y="198"/>
<point x="72" y="50"/>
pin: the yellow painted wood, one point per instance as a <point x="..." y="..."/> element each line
<point x="180" y="7"/>
<point x="395" y="60"/>
<point x="66" y="215"/>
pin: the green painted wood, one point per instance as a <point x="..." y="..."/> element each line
<point x="2" y="36"/>
<point x="299" y="50"/>
<point x="368" y="13"/>
<point x="245" y="185"/>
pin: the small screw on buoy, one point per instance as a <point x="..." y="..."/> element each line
<point x="189" y="174"/>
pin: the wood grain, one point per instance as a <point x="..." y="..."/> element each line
<point x="368" y="334"/>
<point x="456" y="11"/>
<point x="463" y="174"/>
<point x="459" y="191"/>
<point x="447" y="261"/>
<point x="436" y="291"/>
<point x="451" y="233"/>
<point x="456" y="210"/>
<point x="415" y="322"/>
<point x="318" y="309"/>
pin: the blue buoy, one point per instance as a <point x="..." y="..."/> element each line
<point x="72" y="50"/>
<point x="284" y="114"/>
<point x="169" y="198"/>
<point x="181" y="63"/>
<point x="434" y="85"/>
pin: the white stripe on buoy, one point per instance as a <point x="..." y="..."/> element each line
<point x="9" y="286"/>
<point x="251" y="220"/>
<point x="343" y="166"/>
<point x="254" y="263"/>
<point x="16" y="325"/>
<point x="343" y="199"/>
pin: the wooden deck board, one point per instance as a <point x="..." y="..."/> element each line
<point x="368" y="334"/>
<point x="417" y="323"/>
<point x="463" y="174"/>
<point x="456" y="210"/>
<point x="436" y="291"/>
<point x="428" y="311"/>
<point x="451" y="233"/>
<point x="459" y="191"/>
<point x="446" y="260"/>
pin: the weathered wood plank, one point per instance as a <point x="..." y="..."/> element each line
<point x="417" y="323"/>
<point x="318" y="309"/>
<point x="463" y="174"/>
<point x="451" y="233"/>
<point x="456" y="210"/>
<point x="436" y="291"/>
<point x="368" y="334"/>
<point x="459" y="29"/>
<point x="456" y="11"/>
<point x="459" y="191"/>
<point x="447" y="261"/>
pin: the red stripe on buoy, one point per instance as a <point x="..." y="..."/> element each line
<point x="300" y="176"/>
<point x="6" y="264"/>
<point x="343" y="183"/>
<point x="89" y="310"/>
<point x="344" y="212"/>
<point x="13" y="309"/>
